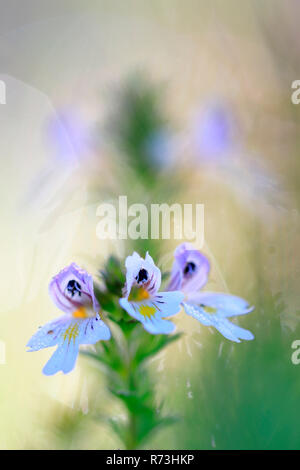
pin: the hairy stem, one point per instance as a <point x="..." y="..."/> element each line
<point x="132" y="424"/>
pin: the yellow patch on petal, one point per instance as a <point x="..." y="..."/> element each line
<point x="137" y="294"/>
<point x="147" y="311"/>
<point x="80" y="313"/>
<point x="209" y="309"/>
<point x="71" y="333"/>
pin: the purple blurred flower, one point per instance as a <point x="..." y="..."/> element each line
<point x="217" y="142"/>
<point x="69" y="136"/>
<point x="213" y="132"/>
<point x="72" y="292"/>
<point x="189" y="274"/>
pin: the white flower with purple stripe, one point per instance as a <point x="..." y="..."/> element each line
<point x="189" y="274"/>
<point x="142" y="299"/>
<point x="72" y="292"/>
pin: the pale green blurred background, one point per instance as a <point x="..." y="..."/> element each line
<point x="74" y="55"/>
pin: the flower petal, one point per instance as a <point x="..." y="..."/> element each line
<point x="168" y="302"/>
<point x="225" y="327"/>
<point x="64" y="358"/>
<point x="142" y="273"/>
<point x="158" y="326"/>
<point x="153" y="311"/>
<point x="49" y="334"/>
<point x="190" y="269"/>
<point x="131" y="309"/>
<point x="68" y="333"/>
<point x="231" y="331"/>
<point x="74" y="333"/>
<point x="227" y="305"/>
<point x="73" y="288"/>
<point x="93" y="330"/>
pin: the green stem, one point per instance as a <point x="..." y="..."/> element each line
<point x="132" y="423"/>
<point x="132" y="438"/>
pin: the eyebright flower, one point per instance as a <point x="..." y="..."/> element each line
<point x="214" y="133"/>
<point x="72" y="292"/>
<point x="69" y="136"/>
<point x="141" y="298"/>
<point x="189" y="274"/>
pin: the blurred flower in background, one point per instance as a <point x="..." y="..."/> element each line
<point x="70" y="137"/>
<point x="218" y="145"/>
<point x="214" y="133"/>
<point x="69" y="142"/>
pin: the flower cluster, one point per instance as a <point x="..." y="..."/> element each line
<point x="72" y="291"/>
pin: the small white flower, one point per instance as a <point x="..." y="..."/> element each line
<point x="141" y="297"/>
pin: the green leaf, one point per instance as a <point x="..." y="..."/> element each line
<point x="154" y="345"/>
